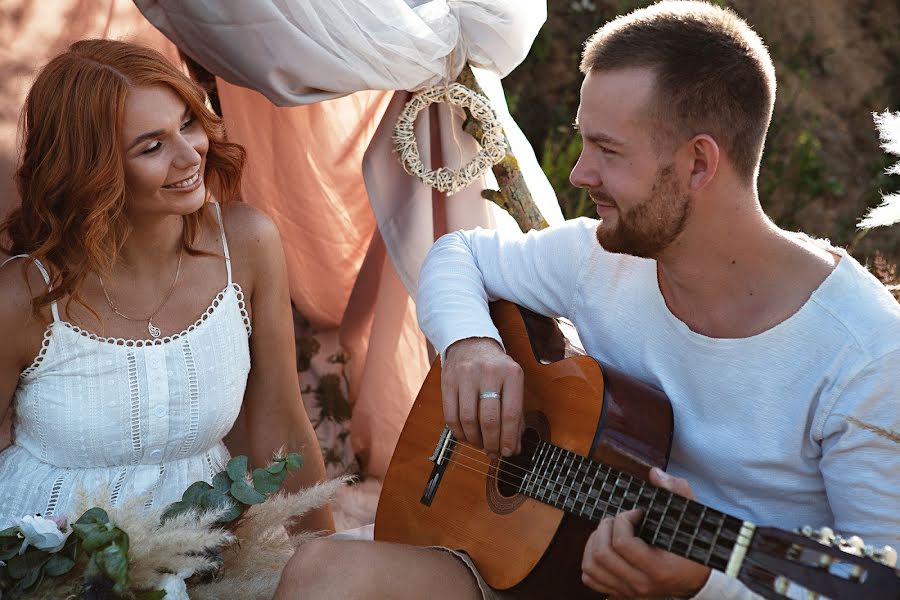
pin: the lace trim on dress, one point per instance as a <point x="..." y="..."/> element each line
<point x="193" y="400"/>
<point x="238" y="294"/>
<point x="135" y="391"/>
<point x="40" y="357"/>
<point x="54" y="496"/>
<point x="117" y="488"/>
<point x="152" y="493"/>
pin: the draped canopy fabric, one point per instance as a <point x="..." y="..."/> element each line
<point x="326" y="171"/>
<point x="303" y="51"/>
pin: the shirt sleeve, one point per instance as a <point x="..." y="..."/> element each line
<point x="720" y="586"/>
<point x="860" y="463"/>
<point x="466" y="269"/>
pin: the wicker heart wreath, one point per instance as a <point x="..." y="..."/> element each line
<point x="493" y="145"/>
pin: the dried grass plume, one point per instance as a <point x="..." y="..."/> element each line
<point x="888" y="212"/>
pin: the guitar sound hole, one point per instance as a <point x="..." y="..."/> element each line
<point x="513" y="469"/>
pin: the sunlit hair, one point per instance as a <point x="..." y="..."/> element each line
<point x="71" y="174"/>
<point x="713" y="74"/>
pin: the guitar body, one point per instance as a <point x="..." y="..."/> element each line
<point x="516" y="542"/>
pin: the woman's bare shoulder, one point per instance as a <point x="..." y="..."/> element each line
<point x="17" y="321"/>
<point x="19" y="288"/>
<point x="251" y="232"/>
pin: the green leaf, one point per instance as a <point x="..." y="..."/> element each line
<point x="195" y="491"/>
<point x="267" y="483"/>
<point x="94" y="515"/>
<point x="222" y="482"/>
<point x="10" y="532"/>
<point x="20" y="566"/>
<point x="276" y="467"/>
<point x="122" y="540"/>
<point x="294" y="461"/>
<point x="237" y="468"/>
<point x="246" y="494"/>
<point x="94" y="537"/>
<point x="12" y="551"/>
<point x="58" y="565"/>
<point x="213" y="499"/>
<point x="174" y="509"/>
<point x="113" y="560"/>
<point x="91" y="569"/>
<point x="31" y="577"/>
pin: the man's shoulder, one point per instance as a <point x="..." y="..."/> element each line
<point x="862" y="306"/>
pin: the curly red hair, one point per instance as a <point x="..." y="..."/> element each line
<point x="71" y="177"/>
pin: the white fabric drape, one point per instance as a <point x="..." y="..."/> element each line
<point x="304" y="51"/>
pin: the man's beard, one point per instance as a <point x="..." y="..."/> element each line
<point x="649" y="227"/>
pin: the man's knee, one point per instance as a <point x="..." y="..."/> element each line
<point x="310" y="564"/>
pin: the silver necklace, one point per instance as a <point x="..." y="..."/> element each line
<point x="151" y="328"/>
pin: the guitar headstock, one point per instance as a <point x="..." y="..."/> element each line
<point x="819" y="564"/>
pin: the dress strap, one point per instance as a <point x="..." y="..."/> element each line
<point x="224" y="241"/>
<point x="46" y="275"/>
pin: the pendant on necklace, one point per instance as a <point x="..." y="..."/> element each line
<point x="153" y="329"/>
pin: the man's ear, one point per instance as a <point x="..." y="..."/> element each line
<point x="703" y="153"/>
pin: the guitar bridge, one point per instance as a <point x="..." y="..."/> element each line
<point x="441" y="457"/>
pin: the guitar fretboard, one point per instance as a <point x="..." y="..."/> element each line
<point x="593" y="491"/>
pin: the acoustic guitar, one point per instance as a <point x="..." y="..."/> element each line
<point x="592" y="434"/>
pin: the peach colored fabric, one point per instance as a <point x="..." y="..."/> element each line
<point x="305" y="170"/>
<point x="31" y="33"/>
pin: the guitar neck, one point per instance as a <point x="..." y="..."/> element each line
<point x="591" y="490"/>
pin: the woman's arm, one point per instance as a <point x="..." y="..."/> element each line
<point x="273" y="413"/>
<point x="21" y="335"/>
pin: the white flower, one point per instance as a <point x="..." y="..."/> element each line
<point x="174" y="586"/>
<point x="43" y="534"/>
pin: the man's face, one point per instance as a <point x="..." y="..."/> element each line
<point x="630" y="178"/>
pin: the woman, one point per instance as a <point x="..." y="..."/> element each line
<point x="128" y="309"/>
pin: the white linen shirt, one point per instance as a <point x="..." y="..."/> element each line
<point x="761" y="423"/>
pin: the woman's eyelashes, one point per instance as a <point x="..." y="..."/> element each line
<point x="188" y="123"/>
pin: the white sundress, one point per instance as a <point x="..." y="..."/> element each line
<point x="136" y="418"/>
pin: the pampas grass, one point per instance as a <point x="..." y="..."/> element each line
<point x="252" y="567"/>
<point x="888" y="212"/>
<point x="247" y="561"/>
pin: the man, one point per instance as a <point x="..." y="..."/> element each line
<point x="777" y="351"/>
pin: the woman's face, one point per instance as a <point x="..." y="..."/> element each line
<point x="165" y="154"/>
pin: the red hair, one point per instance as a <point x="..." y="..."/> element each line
<point x="71" y="176"/>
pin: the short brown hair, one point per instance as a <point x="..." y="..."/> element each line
<point x="713" y="73"/>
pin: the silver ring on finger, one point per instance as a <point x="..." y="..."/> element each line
<point x="489" y="396"/>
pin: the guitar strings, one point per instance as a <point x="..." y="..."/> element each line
<point x="567" y="488"/>
<point x="608" y="506"/>
<point x="506" y="462"/>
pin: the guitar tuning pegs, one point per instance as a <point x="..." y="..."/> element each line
<point x="886" y="556"/>
<point x="855" y="542"/>
<point x="825" y="535"/>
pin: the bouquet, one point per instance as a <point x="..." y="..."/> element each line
<point x="224" y="539"/>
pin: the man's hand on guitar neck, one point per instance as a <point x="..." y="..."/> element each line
<point x="620" y="564"/>
<point x="474" y="367"/>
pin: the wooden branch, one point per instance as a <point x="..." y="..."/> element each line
<point x="513" y="196"/>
